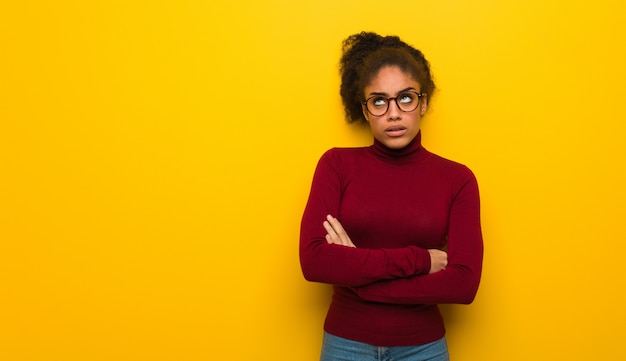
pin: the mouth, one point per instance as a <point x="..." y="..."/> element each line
<point x="395" y="131"/>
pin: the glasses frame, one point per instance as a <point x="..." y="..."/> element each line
<point x="395" y="99"/>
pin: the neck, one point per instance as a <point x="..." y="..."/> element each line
<point x="412" y="152"/>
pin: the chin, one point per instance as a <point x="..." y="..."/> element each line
<point x="397" y="143"/>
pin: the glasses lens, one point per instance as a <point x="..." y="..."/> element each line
<point x="377" y="105"/>
<point x="408" y="101"/>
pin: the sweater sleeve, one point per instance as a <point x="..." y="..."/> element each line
<point x="340" y="265"/>
<point x="458" y="283"/>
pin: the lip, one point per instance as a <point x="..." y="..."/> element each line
<point x="395" y="131"/>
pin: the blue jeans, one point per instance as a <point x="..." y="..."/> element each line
<point x="340" y="349"/>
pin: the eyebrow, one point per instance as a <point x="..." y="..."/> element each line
<point x="385" y="94"/>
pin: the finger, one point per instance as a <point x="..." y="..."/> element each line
<point x="331" y="236"/>
<point x="329" y="228"/>
<point x="334" y="222"/>
<point x="340" y="231"/>
<point x="350" y="244"/>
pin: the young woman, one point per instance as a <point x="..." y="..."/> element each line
<point x="394" y="228"/>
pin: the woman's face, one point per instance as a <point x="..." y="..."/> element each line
<point x="396" y="128"/>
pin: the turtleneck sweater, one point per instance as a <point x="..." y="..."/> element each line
<point x="395" y="204"/>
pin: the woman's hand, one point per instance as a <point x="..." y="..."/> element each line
<point x="336" y="234"/>
<point x="438" y="260"/>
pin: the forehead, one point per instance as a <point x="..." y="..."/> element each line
<point x="390" y="79"/>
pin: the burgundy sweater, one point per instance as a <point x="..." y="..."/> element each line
<point x="394" y="205"/>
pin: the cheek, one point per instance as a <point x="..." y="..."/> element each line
<point x="375" y="126"/>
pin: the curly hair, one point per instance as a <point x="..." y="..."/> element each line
<point x="364" y="54"/>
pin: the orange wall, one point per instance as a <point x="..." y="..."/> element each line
<point x="155" y="158"/>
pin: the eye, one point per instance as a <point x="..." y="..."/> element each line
<point x="406" y="98"/>
<point x="378" y="101"/>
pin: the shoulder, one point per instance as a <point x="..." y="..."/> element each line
<point x="339" y="154"/>
<point x="341" y="160"/>
<point x="450" y="167"/>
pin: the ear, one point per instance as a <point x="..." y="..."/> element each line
<point x="424" y="104"/>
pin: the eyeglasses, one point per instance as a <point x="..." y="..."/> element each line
<point x="406" y="101"/>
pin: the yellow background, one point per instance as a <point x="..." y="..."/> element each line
<point x="155" y="159"/>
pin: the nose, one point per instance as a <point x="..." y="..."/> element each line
<point x="394" y="112"/>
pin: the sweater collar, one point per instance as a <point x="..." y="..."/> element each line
<point x="413" y="152"/>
